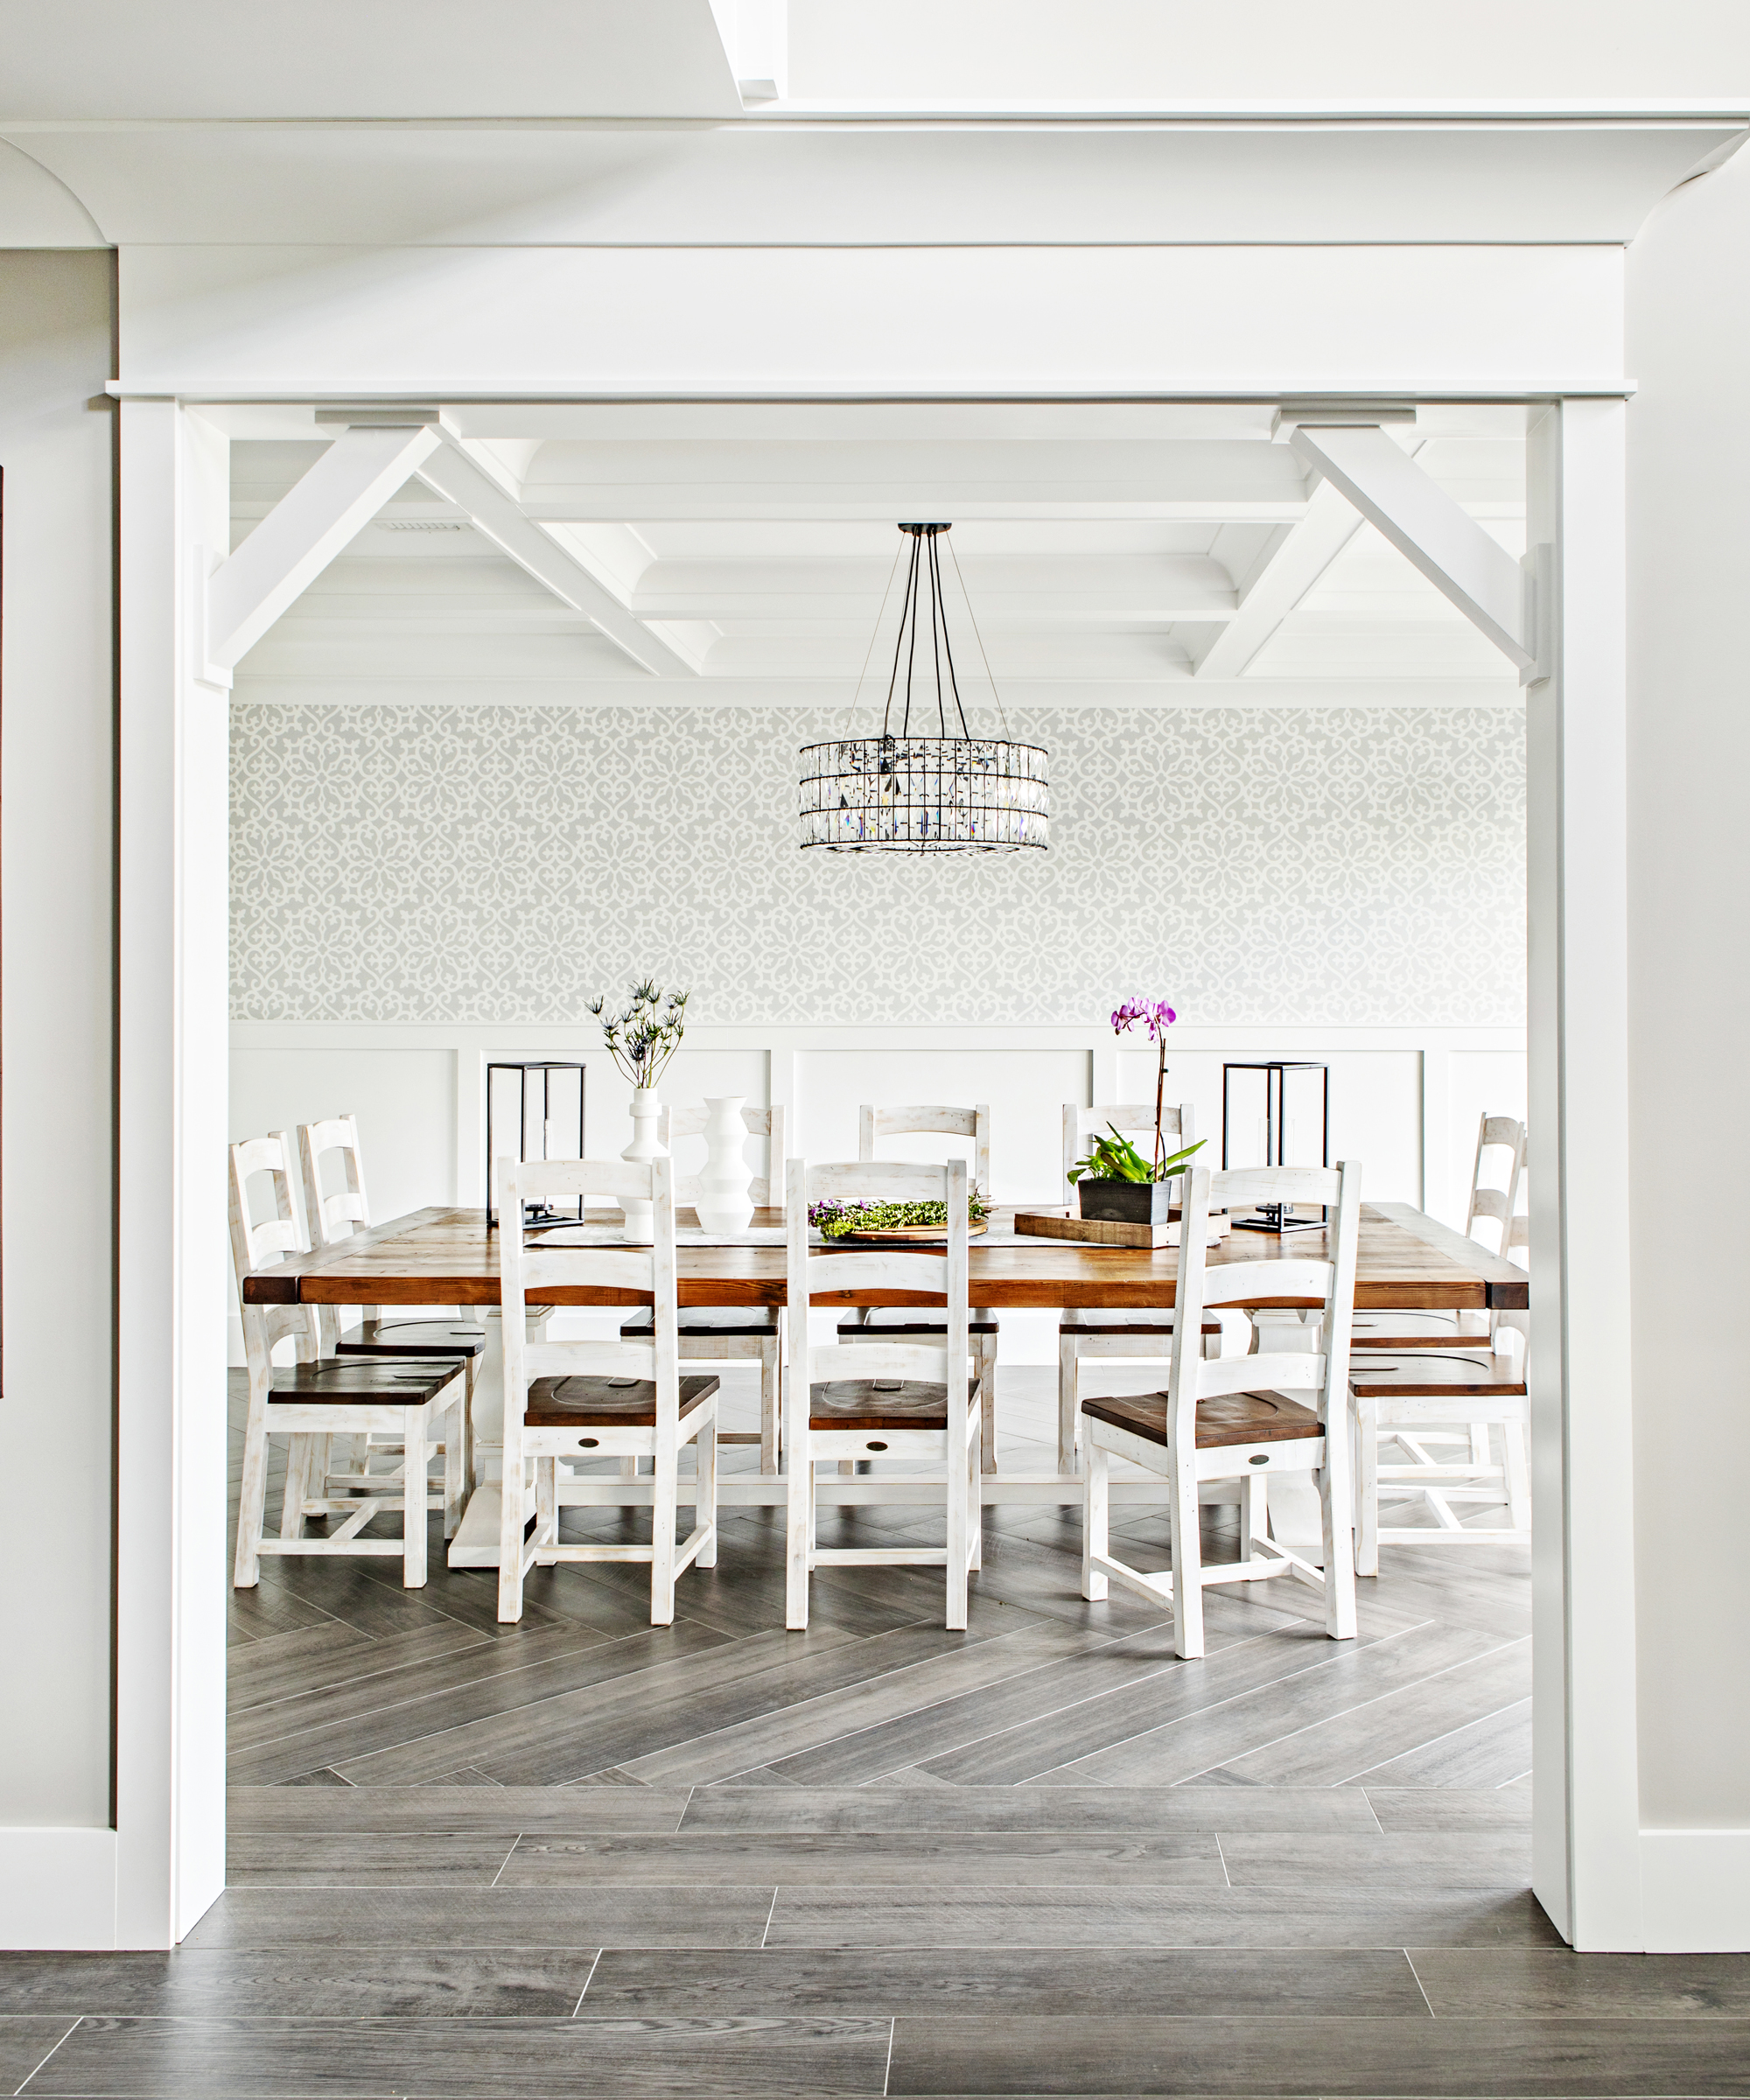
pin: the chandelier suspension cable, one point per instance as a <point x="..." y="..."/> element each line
<point x="948" y="642"/>
<point x="906" y="605"/>
<point x="1002" y="713"/>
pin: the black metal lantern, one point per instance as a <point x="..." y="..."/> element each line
<point x="898" y="793"/>
<point x="541" y="1100"/>
<point x="1290" y="1094"/>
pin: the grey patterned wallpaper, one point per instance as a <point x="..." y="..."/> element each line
<point x="1341" y="866"/>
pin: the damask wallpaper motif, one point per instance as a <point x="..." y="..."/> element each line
<point x="1339" y="867"/>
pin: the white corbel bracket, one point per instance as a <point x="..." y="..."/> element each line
<point x="313" y="523"/>
<point x="1496" y="594"/>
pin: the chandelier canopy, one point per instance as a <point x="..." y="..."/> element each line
<point x="941" y="792"/>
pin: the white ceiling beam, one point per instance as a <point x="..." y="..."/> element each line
<point x="495" y="515"/>
<point x="1464" y="563"/>
<point x="317" y="519"/>
<point x="1330" y="523"/>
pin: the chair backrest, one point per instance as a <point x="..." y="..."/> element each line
<point x="874" y="1123"/>
<point x="764" y="1192"/>
<point x="254" y="1246"/>
<point x="1131" y="1119"/>
<point x="1327" y="1279"/>
<point x="348" y="1210"/>
<point x="1495" y="1204"/>
<point x="530" y="1261"/>
<point x="901" y="1276"/>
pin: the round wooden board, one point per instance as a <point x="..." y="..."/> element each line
<point x="905" y="1235"/>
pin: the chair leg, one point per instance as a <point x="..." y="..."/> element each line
<point x="1095" y="1519"/>
<point x="252" y="1504"/>
<point x="510" y="1548"/>
<point x="1518" y="1477"/>
<point x="799" y="1524"/>
<point x="1254" y="1512"/>
<point x="465" y="1427"/>
<point x="1188" y="1555"/>
<point x="413" y="1493"/>
<point x="299" y="1458"/>
<point x="1337" y="1507"/>
<point x="1366" y="1488"/>
<point x="958" y="1471"/>
<point x="768" y="1408"/>
<point x="987" y="1401"/>
<point x="664" y="1498"/>
<point x="1068" y="1405"/>
<point x="455" y="1460"/>
<point x="546" y="1501"/>
<point x="704" y="1492"/>
<point x="975" y="1506"/>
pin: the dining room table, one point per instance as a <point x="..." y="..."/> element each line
<point x="447" y="1255"/>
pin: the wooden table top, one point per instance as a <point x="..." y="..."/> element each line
<point x="443" y="1257"/>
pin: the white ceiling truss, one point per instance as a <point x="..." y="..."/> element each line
<point x="1133" y="551"/>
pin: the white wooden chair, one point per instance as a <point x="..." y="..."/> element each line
<point x="1398" y="1399"/>
<point x="378" y="1330"/>
<point x="1122" y="1337"/>
<point x="733" y="1334"/>
<point x="1440" y="1448"/>
<point x="872" y="1125"/>
<point x="620" y="1398"/>
<point x="415" y="1401"/>
<point x="880" y="1399"/>
<point x="1234" y="1419"/>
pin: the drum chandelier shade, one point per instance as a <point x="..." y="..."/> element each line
<point x="941" y="792"/>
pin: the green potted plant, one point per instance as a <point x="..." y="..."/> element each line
<point x="1115" y="1181"/>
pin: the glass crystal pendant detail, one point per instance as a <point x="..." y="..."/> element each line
<point x="905" y="793"/>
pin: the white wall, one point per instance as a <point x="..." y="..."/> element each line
<point x="57" y="758"/>
<point x="1689" y="1013"/>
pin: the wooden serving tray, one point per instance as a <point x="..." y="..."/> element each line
<point x="1109" y="1232"/>
<point x="903" y="1236"/>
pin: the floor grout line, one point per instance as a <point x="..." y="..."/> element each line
<point x="1361" y="1706"/>
<point x="1216" y="1705"/>
<point x="886" y="2074"/>
<point x="769" y="1914"/>
<point x="1222" y="1855"/>
<point x="588" y="1980"/>
<point x="506" y="1861"/>
<point x="36" y="2067"/>
<point x="1445" y="1734"/>
<point x="1421" y="1986"/>
<point x="1372" y="1811"/>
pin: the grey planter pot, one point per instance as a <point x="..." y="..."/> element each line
<point x="1129" y="1202"/>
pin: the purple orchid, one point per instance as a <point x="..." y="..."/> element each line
<point x="1157" y="1017"/>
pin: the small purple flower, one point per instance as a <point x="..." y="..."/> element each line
<point x="1155" y="1015"/>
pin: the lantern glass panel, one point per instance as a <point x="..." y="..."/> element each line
<point x="535" y="1111"/>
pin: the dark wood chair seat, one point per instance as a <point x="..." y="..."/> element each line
<point x="864" y="1403"/>
<point x="1231" y="1418"/>
<point x="601" y="1403"/>
<point x="413" y="1337"/>
<point x="1125" y="1323"/>
<point x="759" y="1323"/>
<point x="855" y="1328"/>
<point x="364" y="1381"/>
<point x="1425" y="1377"/>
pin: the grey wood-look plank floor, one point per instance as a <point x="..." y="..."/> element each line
<point x="584" y="1857"/>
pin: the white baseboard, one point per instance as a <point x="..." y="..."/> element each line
<point x="1695" y="1891"/>
<point x="57" y="1889"/>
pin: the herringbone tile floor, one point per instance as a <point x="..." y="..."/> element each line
<point x="584" y="1856"/>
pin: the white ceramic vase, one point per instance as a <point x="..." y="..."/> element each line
<point x="640" y="1218"/>
<point x="725" y="1204"/>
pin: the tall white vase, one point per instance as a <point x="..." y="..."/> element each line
<point x="640" y="1219"/>
<point x="725" y="1204"/>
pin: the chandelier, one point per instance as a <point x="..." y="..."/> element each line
<point x="941" y="792"/>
